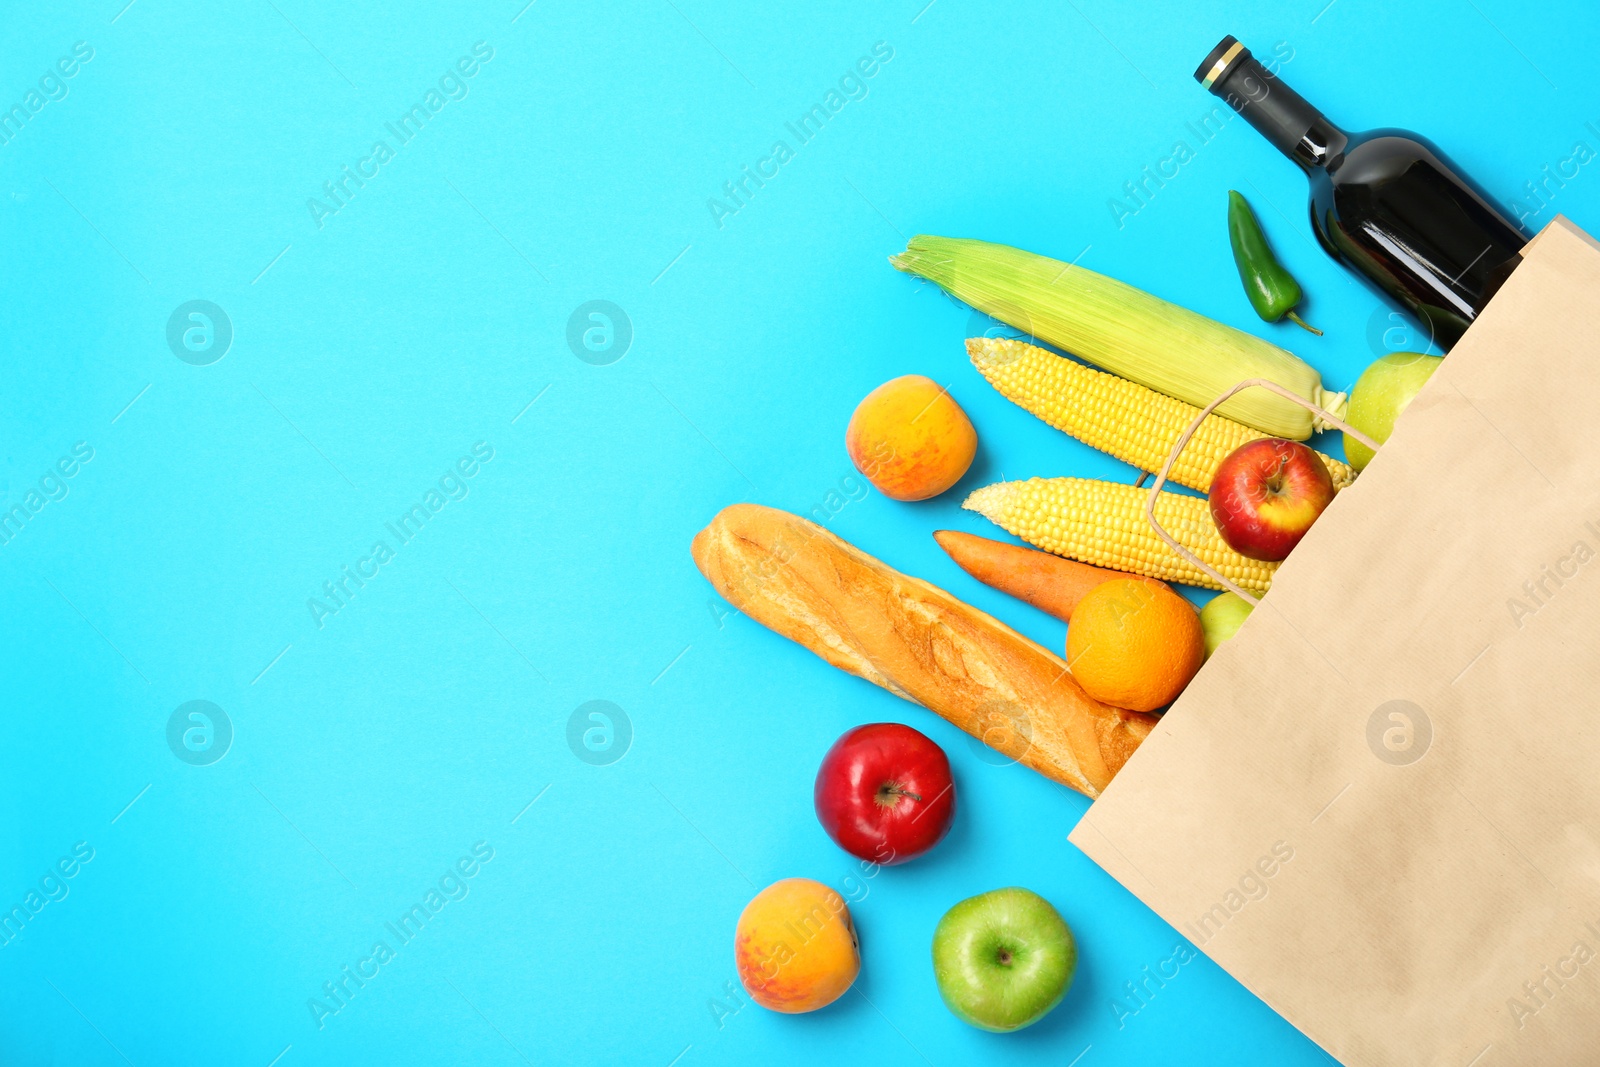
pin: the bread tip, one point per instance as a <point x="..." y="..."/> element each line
<point x="698" y="545"/>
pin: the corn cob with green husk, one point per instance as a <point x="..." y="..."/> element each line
<point x="1103" y="523"/>
<point x="1137" y="425"/>
<point x="1124" y="330"/>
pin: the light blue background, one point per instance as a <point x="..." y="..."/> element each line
<point x="371" y="353"/>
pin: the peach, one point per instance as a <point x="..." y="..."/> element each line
<point x="795" y="946"/>
<point x="910" y="439"/>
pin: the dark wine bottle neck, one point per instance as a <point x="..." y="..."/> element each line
<point x="1282" y="115"/>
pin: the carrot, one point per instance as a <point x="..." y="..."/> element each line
<point x="1050" y="583"/>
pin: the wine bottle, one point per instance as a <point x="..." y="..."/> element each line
<point x="1387" y="203"/>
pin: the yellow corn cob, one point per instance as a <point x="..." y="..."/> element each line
<point x="1103" y="523"/>
<point x="1126" y="331"/>
<point x="1127" y="420"/>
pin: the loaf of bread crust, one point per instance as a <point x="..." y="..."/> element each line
<point x="918" y="642"/>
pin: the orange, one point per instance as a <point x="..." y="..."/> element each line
<point x="1133" y="643"/>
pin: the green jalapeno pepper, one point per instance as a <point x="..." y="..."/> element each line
<point x="1272" y="290"/>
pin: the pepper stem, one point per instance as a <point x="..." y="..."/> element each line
<point x="1298" y="321"/>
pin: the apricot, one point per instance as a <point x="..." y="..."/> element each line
<point x="910" y="439"/>
<point x="795" y="946"/>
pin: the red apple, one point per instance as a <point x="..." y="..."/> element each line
<point x="1266" y="495"/>
<point x="884" y="793"/>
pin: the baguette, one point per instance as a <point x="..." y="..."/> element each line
<point x="918" y="642"/>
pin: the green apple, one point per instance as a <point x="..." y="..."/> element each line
<point x="1221" y="617"/>
<point x="1003" y="959"/>
<point x="1380" y="395"/>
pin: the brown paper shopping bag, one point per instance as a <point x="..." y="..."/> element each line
<point x="1378" y="805"/>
